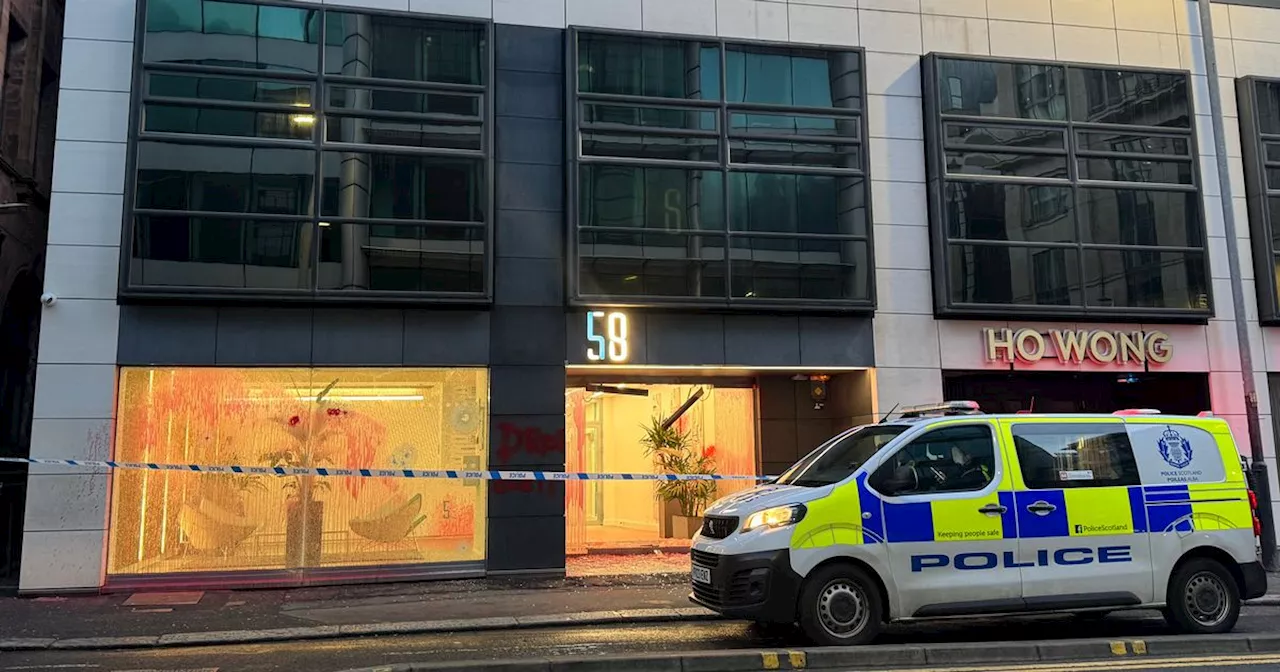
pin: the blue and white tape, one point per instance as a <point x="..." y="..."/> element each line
<point x="460" y="474"/>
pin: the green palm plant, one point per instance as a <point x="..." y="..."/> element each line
<point x="669" y="446"/>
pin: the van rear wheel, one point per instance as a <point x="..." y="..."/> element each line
<point x="840" y="606"/>
<point x="1203" y="598"/>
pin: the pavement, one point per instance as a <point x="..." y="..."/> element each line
<point x="175" y="619"/>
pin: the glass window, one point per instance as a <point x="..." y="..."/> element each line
<point x="226" y="191"/>
<point x="787" y="199"/>
<point x="1055" y="456"/>
<point x="173" y="523"/>
<point x="651" y="67"/>
<point x="187" y="251"/>
<point x="1097" y="222"/>
<point x="949" y="459"/>
<point x="1143" y="278"/>
<point x="839" y="457"/>
<point x="204" y="178"/>
<point x="232" y="34"/>
<point x="1014" y="275"/>
<point x="1036" y="214"/>
<point x="1259" y="101"/>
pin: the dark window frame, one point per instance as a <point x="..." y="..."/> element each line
<point x="937" y="179"/>
<point x="320" y="107"/>
<point x="724" y="110"/>
<point x="1262" y="230"/>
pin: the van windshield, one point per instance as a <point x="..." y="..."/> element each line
<point x="834" y="460"/>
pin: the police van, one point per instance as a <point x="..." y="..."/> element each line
<point x="945" y="511"/>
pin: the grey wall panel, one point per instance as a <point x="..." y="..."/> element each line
<point x="357" y="337"/>
<point x="529" y="94"/>
<point x="264" y="337"/>
<point x="526" y="499"/>
<point x="529" y="49"/>
<point x="526" y="544"/>
<point x="530" y="441"/>
<point x="526" y="140"/>
<point x="446" y="338"/>
<point x="836" y="341"/>
<point x="684" y="339"/>
<point x="524" y="186"/>
<point x="530" y="234"/>
<point x="531" y="282"/>
<point x="525" y="390"/>
<point x="529" y="336"/>
<point x="172" y="336"/>
<point x="763" y="340"/>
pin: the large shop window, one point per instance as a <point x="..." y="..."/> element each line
<point x="1063" y="191"/>
<point x="716" y="173"/>
<point x="309" y="152"/>
<point x="167" y="522"/>
<point x="1259" y="101"/>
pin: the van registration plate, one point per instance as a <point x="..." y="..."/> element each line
<point x="701" y="574"/>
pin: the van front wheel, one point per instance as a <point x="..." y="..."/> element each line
<point x="1203" y="598"/>
<point x="840" y="606"/>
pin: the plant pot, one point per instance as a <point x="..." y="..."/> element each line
<point x="684" y="527"/>
<point x="304" y="528"/>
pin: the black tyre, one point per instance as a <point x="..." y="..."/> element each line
<point x="1203" y="598"/>
<point x="840" y="606"/>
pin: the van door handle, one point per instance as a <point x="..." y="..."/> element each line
<point x="993" y="509"/>
<point x="1041" y="508"/>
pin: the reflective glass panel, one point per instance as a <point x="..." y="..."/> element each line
<point x="794" y="77"/>
<point x="402" y="186"/>
<point x="1006" y="275"/>
<point x="1146" y="279"/>
<point x="782" y="203"/>
<point x="222" y="121"/>
<point x="1140" y="98"/>
<point x="789" y="268"/>
<point x="408" y="49"/>
<point x="1137" y="170"/>
<point x="401" y="258"/>
<point x="174" y="176"/>
<point x="1135" y="217"/>
<point x="741" y="123"/>
<point x="1106" y="141"/>
<point x="1013" y="212"/>
<point x="656" y="67"/>
<point x="773" y="153"/>
<point x="235" y="35"/>
<point x="1020" y="165"/>
<point x="441" y="134"/>
<point x="186" y="251"/>
<point x="1011" y="137"/>
<point x="650" y="146"/>
<point x="231" y="89"/>
<point x="649" y="117"/>
<point x="668" y="199"/>
<point x="378" y="99"/>
<point x="1011" y="90"/>
<point x="651" y="264"/>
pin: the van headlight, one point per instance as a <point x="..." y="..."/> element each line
<point x="779" y="516"/>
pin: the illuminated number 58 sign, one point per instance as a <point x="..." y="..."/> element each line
<point x="607" y="337"/>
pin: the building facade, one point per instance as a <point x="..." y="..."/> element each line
<point x="28" y="112"/>
<point x="541" y="234"/>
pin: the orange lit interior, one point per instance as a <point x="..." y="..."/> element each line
<point x="170" y="522"/>
<point x="603" y="434"/>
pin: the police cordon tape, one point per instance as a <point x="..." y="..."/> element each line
<point x="460" y="474"/>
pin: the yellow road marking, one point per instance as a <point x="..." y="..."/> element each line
<point x="1118" y="648"/>
<point x="798" y="659"/>
<point x="770" y="660"/>
<point x="1139" y="647"/>
<point x="1131" y="664"/>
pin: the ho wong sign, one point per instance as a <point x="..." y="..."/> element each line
<point x="1076" y="346"/>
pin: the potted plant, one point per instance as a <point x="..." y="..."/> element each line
<point x="310" y="429"/>
<point x="670" y="448"/>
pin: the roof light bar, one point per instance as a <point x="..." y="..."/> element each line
<point x="944" y="408"/>
<point x="1138" y="411"/>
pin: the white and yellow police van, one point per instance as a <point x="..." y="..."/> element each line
<point x="947" y="512"/>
